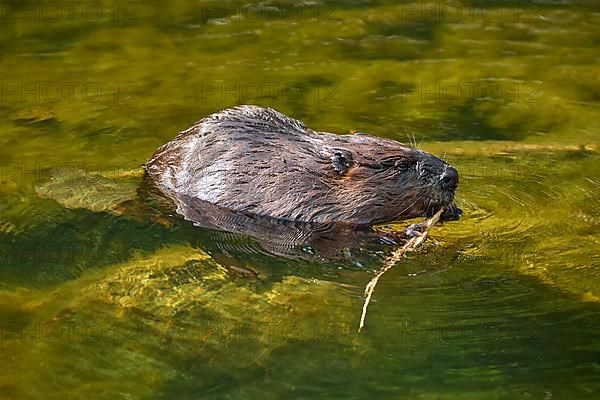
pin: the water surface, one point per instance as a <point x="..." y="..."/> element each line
<point x="98" y="303"/>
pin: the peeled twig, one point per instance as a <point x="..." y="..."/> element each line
<point x="392" y="260"/>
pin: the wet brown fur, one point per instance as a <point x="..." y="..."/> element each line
<point x="258" y="161"/>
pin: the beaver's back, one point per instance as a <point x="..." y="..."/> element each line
<point x="249" y="159"/>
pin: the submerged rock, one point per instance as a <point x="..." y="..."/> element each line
<point x="74" y="188"/>
<point x="161" y="317"/>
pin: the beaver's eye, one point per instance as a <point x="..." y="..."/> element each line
<point x="341" y="161"/>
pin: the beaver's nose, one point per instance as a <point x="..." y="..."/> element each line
<point x="449" y="177"/>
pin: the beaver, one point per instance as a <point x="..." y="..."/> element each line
<point x="260" y="162"/>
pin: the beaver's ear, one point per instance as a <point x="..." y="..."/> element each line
<point x="341" y="160"/>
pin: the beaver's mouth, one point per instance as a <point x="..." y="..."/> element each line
<point x="450" y="211"/>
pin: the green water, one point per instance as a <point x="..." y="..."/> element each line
<point x="504" y="304"/>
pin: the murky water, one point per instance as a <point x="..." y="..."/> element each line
<point x="99" y="302"/>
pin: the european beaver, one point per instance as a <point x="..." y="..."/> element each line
<point x="258" y="161"/>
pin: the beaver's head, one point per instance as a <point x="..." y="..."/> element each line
<point x="388" y="181"/>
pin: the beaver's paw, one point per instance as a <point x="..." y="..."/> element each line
<point x="414" y="230"/>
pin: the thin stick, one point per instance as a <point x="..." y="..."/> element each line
<point x="392" y="260"/>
